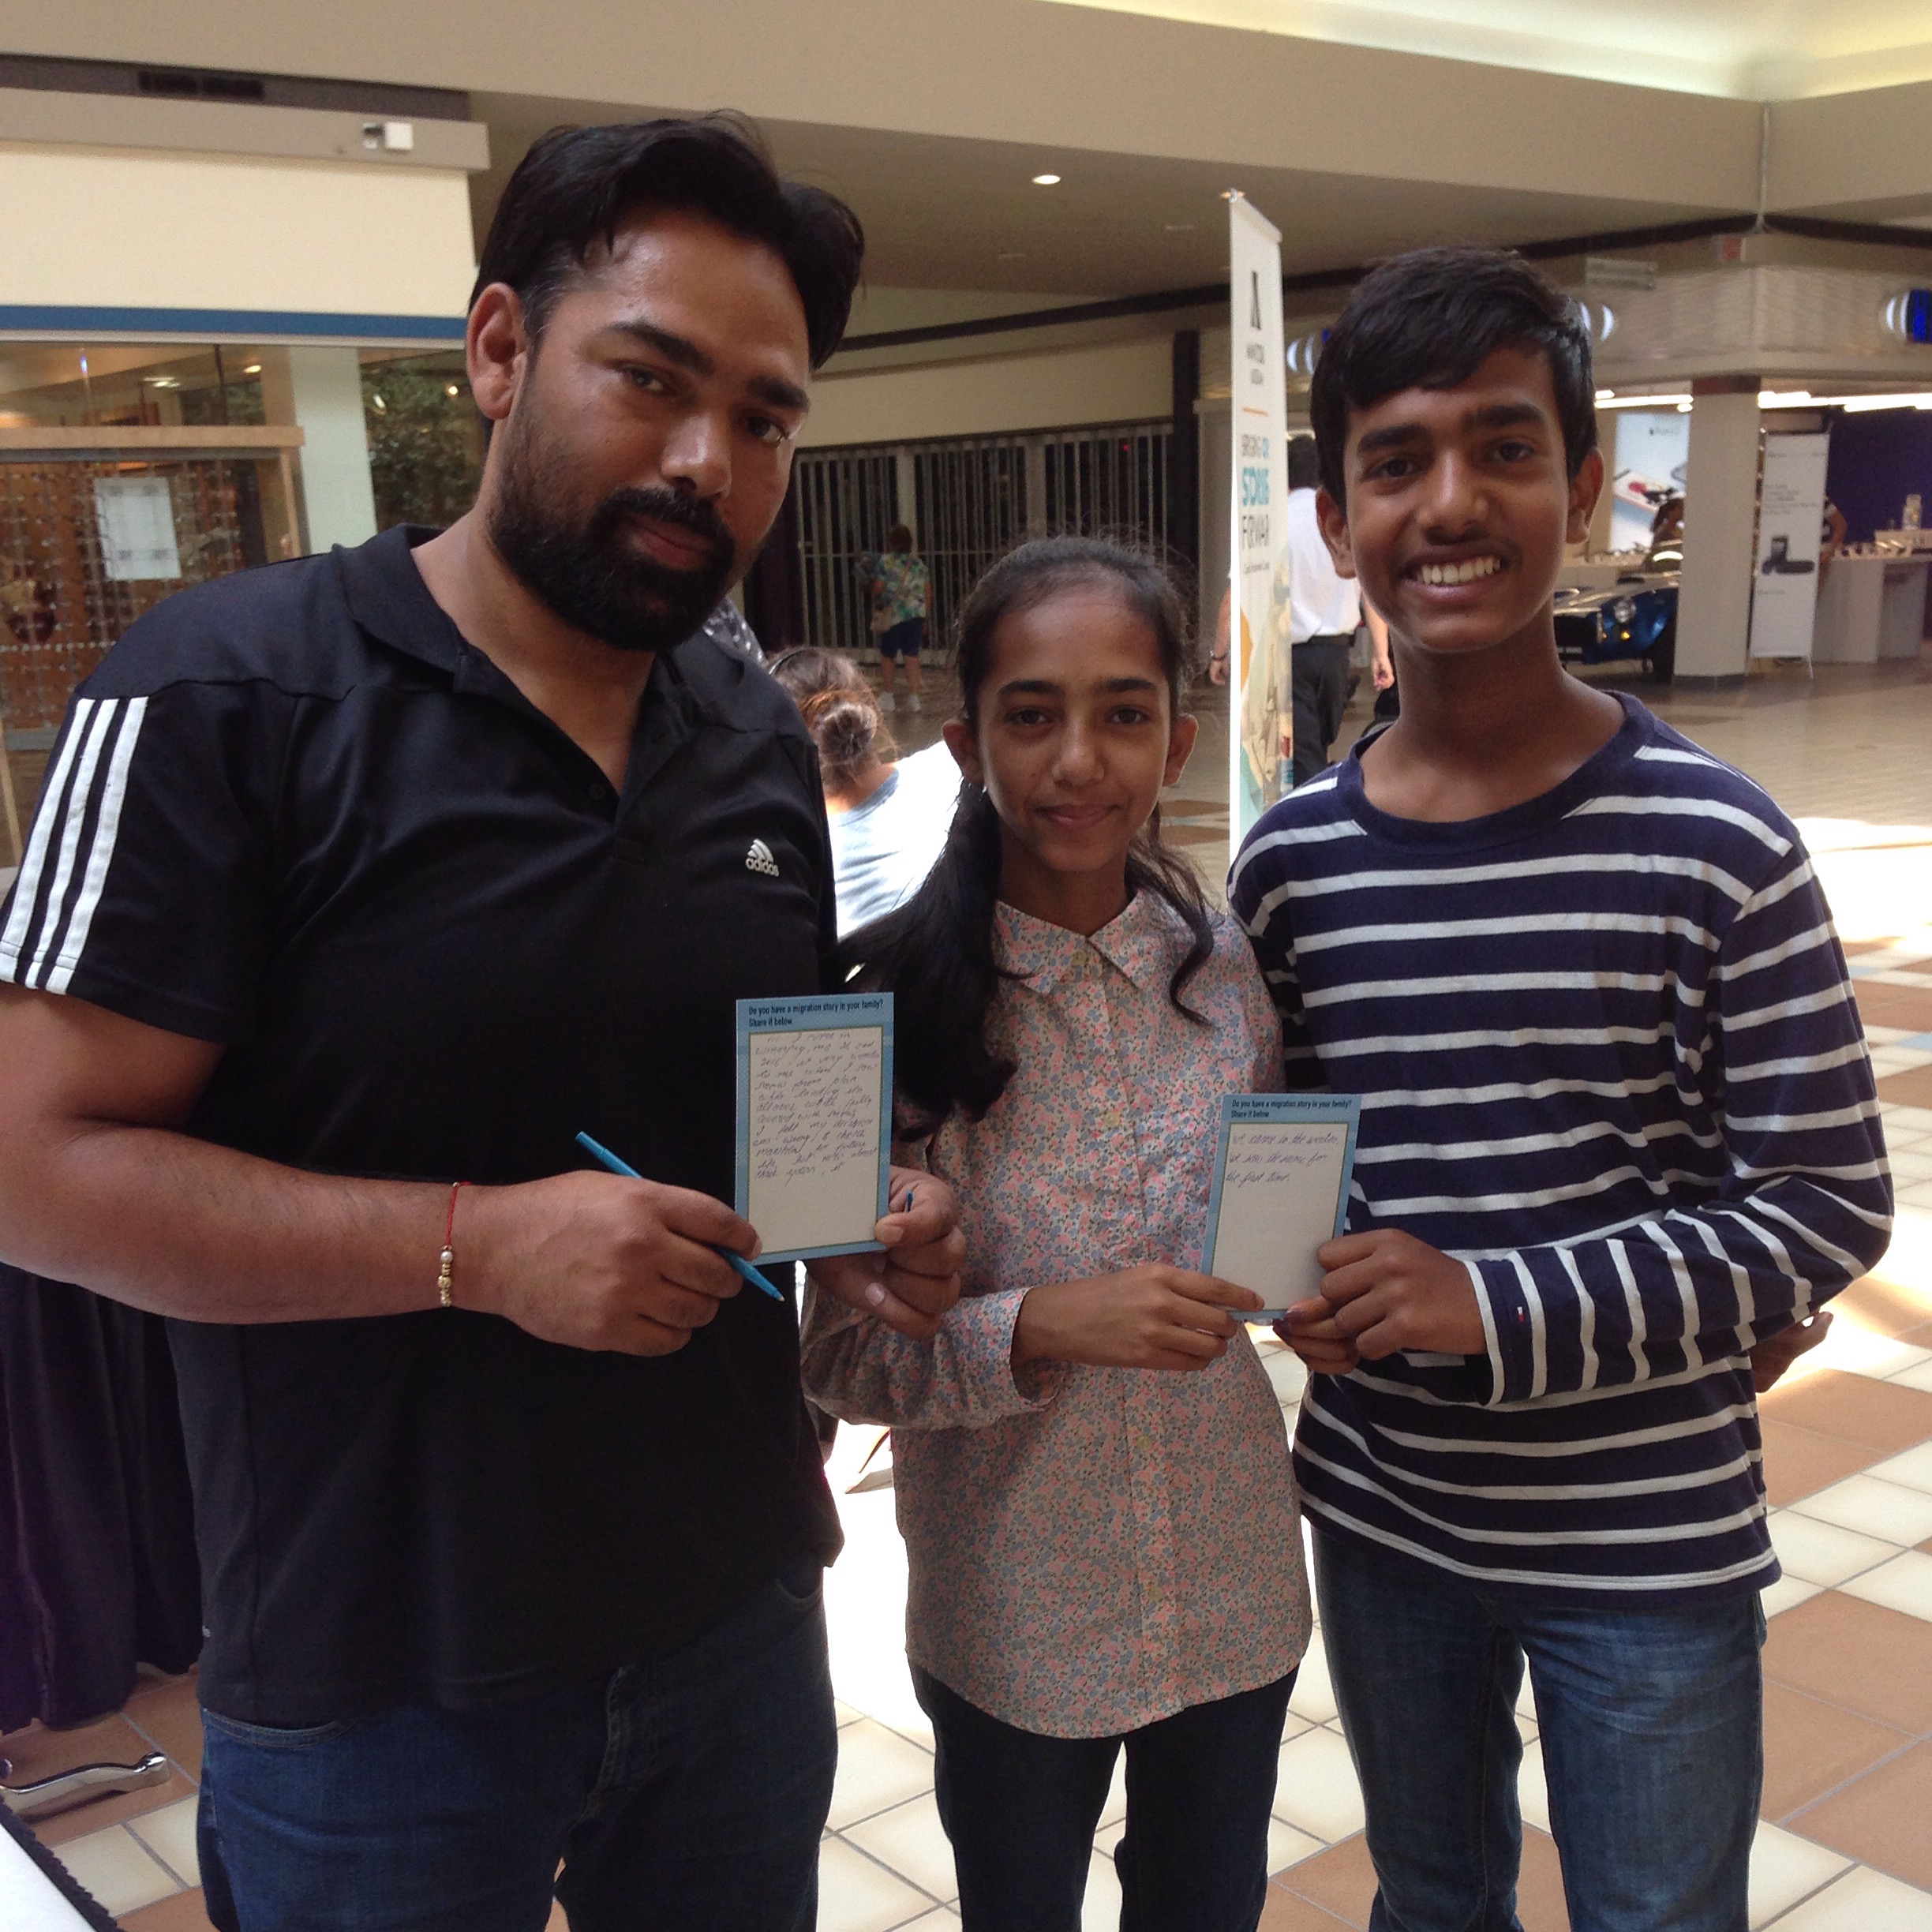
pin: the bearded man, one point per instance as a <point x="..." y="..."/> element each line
<point x="359" y="885"/>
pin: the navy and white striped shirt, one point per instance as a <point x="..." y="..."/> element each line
<point x="1610" y="1059"/>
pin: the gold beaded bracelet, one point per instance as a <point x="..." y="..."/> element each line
<point x="446" y="1270"/>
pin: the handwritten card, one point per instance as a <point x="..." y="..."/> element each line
<point x="814" y="1115"/>
<point x="1281" y="1186"/>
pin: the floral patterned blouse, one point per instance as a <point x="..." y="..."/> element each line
<point x="1100" y="1547"/>
<point x="899" y="584"/>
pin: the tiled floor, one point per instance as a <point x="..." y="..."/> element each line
<point x="1844" y="1845"/>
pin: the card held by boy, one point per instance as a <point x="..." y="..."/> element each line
<point x="814" y="1121"/>
<point x="1281" y="1188"/>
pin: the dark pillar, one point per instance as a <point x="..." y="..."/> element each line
<point x="1184" y="455"/>
<point x="774" y="588"/>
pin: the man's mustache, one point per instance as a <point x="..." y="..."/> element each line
<point x="667" y="506"/>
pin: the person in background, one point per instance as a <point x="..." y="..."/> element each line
<point x="1323" y="610"/>
<point x="1831" y="536"/>
<point x="726" y="627"/>
<point x="1382" y="669"/>
<point x="901" y="588"/>
<point x="1091" y="1475"/>
<point x="1667" y="536"/>
<point x="888" y="816"/>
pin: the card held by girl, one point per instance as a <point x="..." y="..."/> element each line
<point x="1281" y="1188"/>
<point x="814" y="1117"/>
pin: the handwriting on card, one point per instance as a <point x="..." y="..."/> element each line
<point x="814" y="1102"/>
<point x="814" y="1136"/>
<point x="1263" y="1155"/>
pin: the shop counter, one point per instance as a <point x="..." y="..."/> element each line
<point x="1870" y="608"/>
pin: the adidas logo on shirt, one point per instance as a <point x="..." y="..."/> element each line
<point x="759" y="859"/>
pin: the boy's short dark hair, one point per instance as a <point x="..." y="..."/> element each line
<point x="576" y="185"/>
<point x="1427" y="320"/>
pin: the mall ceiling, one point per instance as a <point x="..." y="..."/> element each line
<point x="1749" y="50"/>
<point x="941" y="212"/>
<point x="933" y="116"/>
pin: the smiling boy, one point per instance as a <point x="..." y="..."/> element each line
<point x="1618" y="1130"/>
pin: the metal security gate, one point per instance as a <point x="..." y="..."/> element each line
<point x="968" y="501"/>
<point x="1111" y="483"/>
<point x="970" y="507"/>
<point x="848" y="499"/>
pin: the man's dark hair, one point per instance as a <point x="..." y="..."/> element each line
<point x="1304" y="464"/>
<point x="1427" y="320"/>
<point x="574" y="188"/>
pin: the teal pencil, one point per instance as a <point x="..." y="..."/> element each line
<point x="611" y="1161"/>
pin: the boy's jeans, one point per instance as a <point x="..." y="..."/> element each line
<point x="682" y="1795"/>
<point x="1651" y="1724"/>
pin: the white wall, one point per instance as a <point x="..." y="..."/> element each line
<point x="328" y="385"/>
<point x="118" y="228"/>
<point x="1112" y="382"/>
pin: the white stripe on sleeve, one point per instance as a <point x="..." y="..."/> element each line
<point x="100" y="854"/>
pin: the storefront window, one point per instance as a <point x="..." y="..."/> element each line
<point x="96" y="529"/>
<point x="80" y="385"/>
<point x="425" y="444"/>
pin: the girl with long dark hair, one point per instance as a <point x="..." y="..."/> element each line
<point x="1091" y="1473"/>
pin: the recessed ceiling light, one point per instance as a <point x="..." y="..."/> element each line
<point x="1045" y="180"/>
<point x="254" y="369"/>
<point x="450" y="389"/>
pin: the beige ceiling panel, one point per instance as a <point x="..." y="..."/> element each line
<point x="1024" y="72"/>
<point x="1858" y="157"/>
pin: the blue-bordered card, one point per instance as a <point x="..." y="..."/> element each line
<point x="1282" y="1170"/>
<point x="814" y="1121"/>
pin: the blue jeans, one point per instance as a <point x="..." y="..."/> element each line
<point x="1021" y="1810"/>
<point x="686" y="1794"/>
<point x="1652" y="1728"/>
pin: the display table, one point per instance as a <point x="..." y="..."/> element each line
<point x="1870" y="608"/>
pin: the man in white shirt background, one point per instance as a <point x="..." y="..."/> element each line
<point x="1324" y="611"/>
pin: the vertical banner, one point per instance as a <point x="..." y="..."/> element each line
<point x="1261" y="711"/>
<point x="1791" y="524"/>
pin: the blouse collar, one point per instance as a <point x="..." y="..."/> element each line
<point x="1143" y="943"/>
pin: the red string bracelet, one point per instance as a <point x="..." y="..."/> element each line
<point x="446" y="1271"/>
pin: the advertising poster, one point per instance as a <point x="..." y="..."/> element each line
<point x="1790" y="523"/>
<point x="1261" y="733"/>
<point x="1653" y="452"/>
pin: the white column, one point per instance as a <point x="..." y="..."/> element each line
<point x="321" y="390"/>
<point x="906" y="490"/>
<point x="1720" y="535"/>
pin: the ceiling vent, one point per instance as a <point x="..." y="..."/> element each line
<point x="180" y="83"/>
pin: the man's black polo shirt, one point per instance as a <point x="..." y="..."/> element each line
<point x="294" y="812"/>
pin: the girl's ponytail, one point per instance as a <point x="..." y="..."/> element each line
<point x="935" y="954"/>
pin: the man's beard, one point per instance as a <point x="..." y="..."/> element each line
<point x="589" y="569"/>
